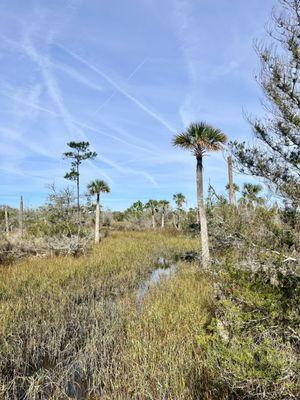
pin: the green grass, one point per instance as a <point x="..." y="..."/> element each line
<point x="72" y="325"/>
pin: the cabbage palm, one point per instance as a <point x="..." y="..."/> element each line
<point x="152" y="205"/>
<point x="234" y="189"/>
<point x="164" y="205"/>
<point x="179" y="200"/>
<point x="250" y="194"/>
<point x="200" y="139"/>
<point x="95" y="188"/>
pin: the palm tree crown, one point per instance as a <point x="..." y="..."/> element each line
<point x="152" y="205"/>
<point x="200" y="138"/>
<point x="235" y="187"/>
<point x="164" y="204"/>
<point x="179" y="199"/>
<point x="97" y="186"/>
<point x="251" y="192"/>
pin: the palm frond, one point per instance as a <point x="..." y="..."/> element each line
<point x="200" y="137"/>
<point x="183" y="140"/>
<point x="98" y="186"/>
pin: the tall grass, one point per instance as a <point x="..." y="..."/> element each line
<point x="71" y="328"/>
<point x="162" y="358"/>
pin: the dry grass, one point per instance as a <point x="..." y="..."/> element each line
<point x="70" y="328"/>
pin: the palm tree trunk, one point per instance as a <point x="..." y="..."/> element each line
<point x="153" y="220"/>
<point x="97" y="222"/>
<point x="21" y="212"/>
<point x="162" y="220"/>
<point x="202" y="215"/>
<point x="230" y="179"/>
<point x="6" y="220"/>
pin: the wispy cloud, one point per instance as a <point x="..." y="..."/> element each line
<point x="199" y="70"/>
<point x="72" y="125"/>
<point x="119" y="88"/>
<point x="45" y="63"/>
<point x="126" y="170"/>
<point x="109" y="98"/>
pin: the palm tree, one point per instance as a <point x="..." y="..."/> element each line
<point x="136" y="210"/>
<point x="164" y="205"/>
<point x="250" y="194"/>
<point x="235" y="189"/>
<point x="152" y="205"/>
<point x="201" y="138"/>
<point x="95" y="188"/>
<point x="179" y="200"/>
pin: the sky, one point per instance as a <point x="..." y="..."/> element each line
<point x="125" y="75"/>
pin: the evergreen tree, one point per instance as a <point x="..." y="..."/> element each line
<point x="276" y="155"/>
<point x="80" y="152"/>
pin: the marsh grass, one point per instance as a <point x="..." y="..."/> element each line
<point x="75" y="328"/>
<point x="162" y="357"/>
<point x="70" y="327"/>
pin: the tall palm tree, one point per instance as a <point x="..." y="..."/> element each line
<point x="164" y="205"/>
<point x="152" y="205"/>
<point x="250" y="194"/>
<point x="201" y="138"/>
<point x="95" y="188"/>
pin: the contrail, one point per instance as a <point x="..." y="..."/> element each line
<point x="139" y="66"/>
<point x="119" y="88"/>
<point x="130" y="170"/>
<point x="73" y="74"/>
<point x="55" y="94"/>
<point x="78" y="123"/>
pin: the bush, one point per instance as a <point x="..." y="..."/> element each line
<point x="251" y="342"/>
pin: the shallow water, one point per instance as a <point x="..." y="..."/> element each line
<point x="75" y="388"/>
<point x="164" y="271"/>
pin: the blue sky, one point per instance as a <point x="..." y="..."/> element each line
<point x="124" y="75"/>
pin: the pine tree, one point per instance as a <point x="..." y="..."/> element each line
<point x="276" y="155"/>
<point x="80" y="152"/>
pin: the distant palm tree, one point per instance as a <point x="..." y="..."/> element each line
<point x="164" y="205"/>
<point x="235" y="189"/>
<point x="250" y="194"/>
<point x="152" y="205"/>
<point x="179" y="200"/>
<point x="137" y="208"/>
<point x="95" y="188"/>
<point x="201" y="138"/>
